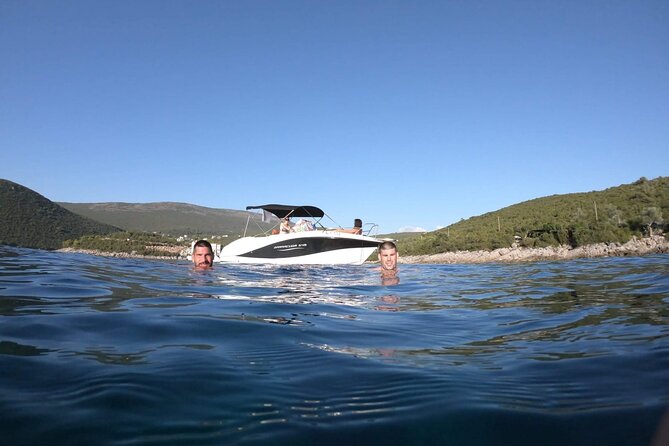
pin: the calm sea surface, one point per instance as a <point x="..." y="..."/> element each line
<point x="101" y="351"/>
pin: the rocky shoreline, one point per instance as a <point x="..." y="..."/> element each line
<point x="123" y="255"/>
<point x="635" y="247"/>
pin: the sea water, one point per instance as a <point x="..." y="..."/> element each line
<point x="107" y="351"/>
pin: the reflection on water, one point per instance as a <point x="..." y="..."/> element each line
<point x="12" y="348"/>
<point x="123" y="351"/>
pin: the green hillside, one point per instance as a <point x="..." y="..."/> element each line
<point x="170" y="218"/>
<point x="612" y="215"/>
<point x="30" y="220"/>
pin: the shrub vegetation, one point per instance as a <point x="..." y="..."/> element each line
<point x="612" y="215"/>
<point x="28" y="219"/>
<point x="139" y="243"/>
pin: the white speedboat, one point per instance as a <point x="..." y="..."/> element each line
<point x="321" y="246"/>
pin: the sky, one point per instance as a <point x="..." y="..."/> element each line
<point x="408" y="114"/>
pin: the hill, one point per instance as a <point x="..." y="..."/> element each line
<point x="30" y="220"/>
<point x="612" y="215"/>
<point x="171" y="218"/>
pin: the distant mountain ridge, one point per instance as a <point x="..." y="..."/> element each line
<point x="171" y="218"/>
<point x="30" y="220"/>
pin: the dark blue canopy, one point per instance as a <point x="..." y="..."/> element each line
<point x="284" y="210"/>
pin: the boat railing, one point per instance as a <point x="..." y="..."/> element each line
<point x="369" y="231"/>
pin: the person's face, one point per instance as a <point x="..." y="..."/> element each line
<point x="203" y="258"/>
<point x="388" y="258"/>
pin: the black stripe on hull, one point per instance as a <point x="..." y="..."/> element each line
<point x="298" y="247"/>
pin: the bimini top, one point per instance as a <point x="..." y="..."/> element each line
<point x="284" y="210"/>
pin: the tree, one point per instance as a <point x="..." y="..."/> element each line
<point x="613" y="214"/>
<point x="650" y="216"/>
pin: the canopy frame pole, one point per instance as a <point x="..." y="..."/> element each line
<point x="331" y="219"/>
<point x="248" y="218"/>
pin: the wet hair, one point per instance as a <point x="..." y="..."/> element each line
<point x="357" y="223"/>
<point x="203" y="243"/>
<point x="387" y="245"/>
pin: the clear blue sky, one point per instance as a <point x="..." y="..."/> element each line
<point x="402" y="113"/>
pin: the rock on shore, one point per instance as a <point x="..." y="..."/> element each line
<point x="634" y="247"/>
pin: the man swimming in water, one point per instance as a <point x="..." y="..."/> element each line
<point x="203" y="255"/>
<point x="388" y="259"/>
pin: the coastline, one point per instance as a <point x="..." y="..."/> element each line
<point x="635" y="247"/>
<point x="123" y="255"/>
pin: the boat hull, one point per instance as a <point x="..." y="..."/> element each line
<point x="301" y="248"/>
